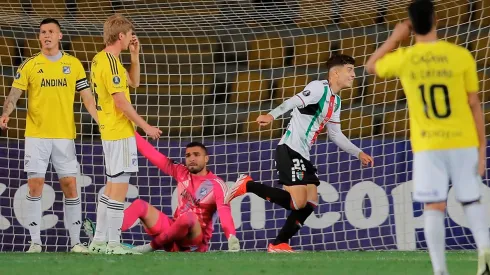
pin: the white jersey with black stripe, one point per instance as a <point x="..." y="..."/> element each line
<point x="320" y="105"/>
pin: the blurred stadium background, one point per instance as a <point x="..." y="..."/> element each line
<point x="208" y="69"/>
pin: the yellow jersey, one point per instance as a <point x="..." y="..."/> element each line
<point x="50" y="88"/>
<point x="436" y="78"/>
<point x="108" y="76"/>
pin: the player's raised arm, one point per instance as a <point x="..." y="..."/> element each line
<point x="158" y="159"/>
<point x="400" y="33"/>
<point x="225" y="217"/>
<point x="300" y="100"/>
<point x="134" y="70"/>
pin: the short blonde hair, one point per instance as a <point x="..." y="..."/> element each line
<point x="113" y="26"/>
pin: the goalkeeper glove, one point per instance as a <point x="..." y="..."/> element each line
<point x="233" y="244"/>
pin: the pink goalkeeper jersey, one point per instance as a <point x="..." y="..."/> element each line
<point x="203" y="195"/>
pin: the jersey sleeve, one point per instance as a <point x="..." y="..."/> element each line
<point x="312" y="93"/>
<point x="81" y="79"/>
<point x="224" y="210"/>
<point x="21" y="78"/>
<point x="389" y="65"/>
<point x="471" y="75"/>
<point x="173" y="169"/>
<point x="114" y="77"/>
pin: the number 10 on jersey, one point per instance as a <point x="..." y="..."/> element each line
<point x="433" y="89"/>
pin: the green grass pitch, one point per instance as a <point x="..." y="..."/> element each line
<point x="250" y="263"/>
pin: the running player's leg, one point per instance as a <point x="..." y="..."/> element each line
<point x="66" y="165"/>
<point x="467" y="184"/>
<point x="431" y="184"/>
<point x="36" y="159"/>
<point x="185" y="229"/>
<point x="294" y="197"/>
<point x="297" y="218"/>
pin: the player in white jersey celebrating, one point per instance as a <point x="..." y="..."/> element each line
<point x="317" y="106"/>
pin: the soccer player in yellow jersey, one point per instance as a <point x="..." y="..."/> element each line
<point x="50" y="79"/>
<point x="110" y="82"/>
<point x="447" y="131"/>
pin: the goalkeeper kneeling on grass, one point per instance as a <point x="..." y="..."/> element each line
<point x="201" y="194"/>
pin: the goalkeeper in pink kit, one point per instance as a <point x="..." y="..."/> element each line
<point x="200" y="196"/>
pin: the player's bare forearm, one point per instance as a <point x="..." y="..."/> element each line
<point x="11" y="101"/>
<point x="123" y="105"/>
<point x="387" y="47"/>
<point x="477" y="112"/>
<point x="134" y="71"/>
<point x="89" y="103"/>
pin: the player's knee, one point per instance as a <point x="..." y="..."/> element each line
<point x="298" y="203"/>
<point x="438" y="206"/>
<point x="69" y="186"/>
<point x="35" y="186"/>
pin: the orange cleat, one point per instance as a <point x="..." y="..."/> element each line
<point x="238" y="189"/>
<point x="280" y="248"/>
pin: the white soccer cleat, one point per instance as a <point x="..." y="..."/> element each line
<point x="97" y="247"/>
<point x="233" y="244"/>
<point x="119" y="249"/>
<point x="79" y="248"/>
<point x="35" y="248"/>
<point x="146" y="248"/>
<point x="484" y="262"/>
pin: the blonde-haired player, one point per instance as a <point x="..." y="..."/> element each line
<point x="51" y="79"/>
<point x="110" y="82"/>
<point x="447" y="130"/>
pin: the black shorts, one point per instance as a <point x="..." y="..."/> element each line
<point x="293" y="168"/>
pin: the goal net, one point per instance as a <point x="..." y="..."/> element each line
<point x="208" y="69"/>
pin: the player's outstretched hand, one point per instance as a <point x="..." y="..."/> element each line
<point x="233" y="244"/>
<point x="264" y="120"/>
<point x="3" y="122"/>
<point x="402" y="31"/>
<point x="153" y="132"/>
<point x="134" y="45"/>
<point x="366" y="159"/>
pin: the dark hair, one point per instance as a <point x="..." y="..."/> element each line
<point x="421" y="13"/>
<point x="197" y="144"/>
<point x="49" y="21"/>
<point x="339" y="60"/>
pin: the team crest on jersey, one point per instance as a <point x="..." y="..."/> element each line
<point x="17" y="75"/>
<point x="116" y="80"/>
<point x="66" y="69"/>
<point x="306" y="92"/>
<point x="300" y="175"/>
